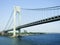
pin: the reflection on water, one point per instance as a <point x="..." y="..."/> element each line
<point x="43" y="39"/>
<point x="18" y="41"/>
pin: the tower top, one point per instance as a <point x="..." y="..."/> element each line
<point x="17" y="9"/>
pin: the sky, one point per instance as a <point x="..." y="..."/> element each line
<point x="7" y="6"/>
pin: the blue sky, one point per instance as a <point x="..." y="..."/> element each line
<point x="6" y="8"/>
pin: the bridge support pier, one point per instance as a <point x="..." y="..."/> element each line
<point x="15" y="34"/>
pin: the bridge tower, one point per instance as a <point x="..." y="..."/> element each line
<point x="16" y="10"/>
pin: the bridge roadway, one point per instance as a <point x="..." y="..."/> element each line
<point x="47" y="20"/>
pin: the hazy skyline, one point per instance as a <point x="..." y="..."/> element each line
<point x="6" y="7"/>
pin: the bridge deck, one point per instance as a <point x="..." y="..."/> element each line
<point x="52" y="19"/>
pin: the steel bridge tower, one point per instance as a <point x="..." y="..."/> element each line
<point x="16" y="10"/>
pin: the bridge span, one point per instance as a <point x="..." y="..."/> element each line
<point x="47" y="20"/>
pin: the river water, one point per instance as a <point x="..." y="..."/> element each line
<point x="42" y="39"/>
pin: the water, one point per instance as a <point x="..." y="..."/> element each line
<point x="43" y="39"/>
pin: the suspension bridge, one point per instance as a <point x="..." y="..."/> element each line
<point x="17" y="9"/>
